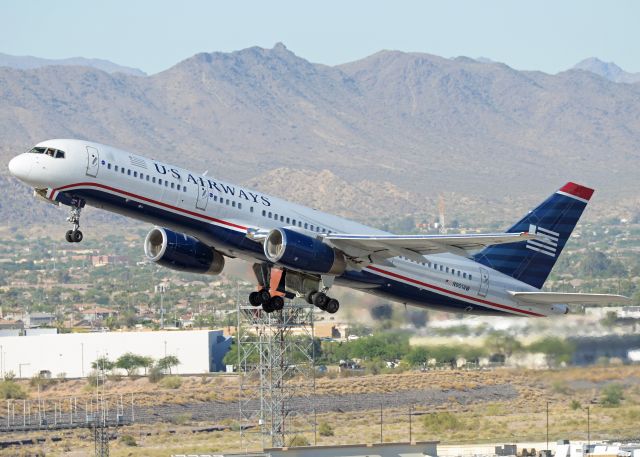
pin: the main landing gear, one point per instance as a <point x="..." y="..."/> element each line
<point x="291" y="283"/>
<point x="323" y="301"/>
<point x="263" y="298"/>
<point x="75" y="235"/>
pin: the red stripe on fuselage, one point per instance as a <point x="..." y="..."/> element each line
<point x="231" y="224"/>
<point x="440" y="289"/>
<point x="155" y="202"/>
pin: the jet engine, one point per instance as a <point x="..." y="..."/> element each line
<point x="302" y="252"/>
<point x="182" y="252"/>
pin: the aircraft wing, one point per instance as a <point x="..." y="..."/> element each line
<point x="377" y="248"/>
<point x="550" y="298"/>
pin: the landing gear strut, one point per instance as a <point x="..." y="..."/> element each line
<point x="75" y="235"/>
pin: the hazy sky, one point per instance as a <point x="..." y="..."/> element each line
<point x="153" y="35"/>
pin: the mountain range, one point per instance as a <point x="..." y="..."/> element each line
<point x="381" y="136"/>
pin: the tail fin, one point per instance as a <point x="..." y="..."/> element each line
<point x="531" y="261"/>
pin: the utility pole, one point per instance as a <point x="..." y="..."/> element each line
<point x="588" y="427"/>
<point x="547" y="426"/>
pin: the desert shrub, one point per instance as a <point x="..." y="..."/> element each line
<point x="181" y="419"/>
<point x="612" y="395"/>
<point x="325" y="429"/>
<point x="155" y="374"/>
<point x="12" y="390"/>
<point x="92" y="378"/>
<point x="575" y="404"/>
<point x="298" y="441"/>
<point x="40" y="380"/>
<point x="128" y="440"/>
<point x="560" y="387"/>
<point x="9" y="376"/>
<point x="441" y="422"/>
<point x="171" y="382"/>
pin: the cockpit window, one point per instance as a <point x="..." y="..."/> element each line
<point x="51" y="152"/>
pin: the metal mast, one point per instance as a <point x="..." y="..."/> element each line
<point x="277" y="375"/>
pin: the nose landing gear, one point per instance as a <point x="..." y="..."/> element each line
<point x="75" y="235"/>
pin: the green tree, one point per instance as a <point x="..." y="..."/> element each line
<point x="417" y="356"/>
<point x="103" y="363"/>
<point x="501" y="342"/>
<point x="132" y="362"/>
<point x="165" y="363"/>
<point x="557" y="349"/>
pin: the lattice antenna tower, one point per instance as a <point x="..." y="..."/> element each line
<point x="277" y="375"/>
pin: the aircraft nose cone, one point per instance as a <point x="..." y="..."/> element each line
<point x="20" y="167"/>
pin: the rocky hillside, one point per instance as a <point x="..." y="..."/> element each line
<point x="393" y="130"/>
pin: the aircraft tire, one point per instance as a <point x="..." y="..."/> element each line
<point x="277" y="303"/>
<point x="77" y="236"/>
<point x="320" y="300"/>
<point x="68" y="236"/>
<point x="332" y="306"/>
<point x="254" y="299"/>
<point x="265" y="297"/>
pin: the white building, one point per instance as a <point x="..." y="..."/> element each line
<point x="199" y="351"/>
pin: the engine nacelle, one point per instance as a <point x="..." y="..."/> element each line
<point x="182" y="252"/>
<point x="302" y="252"/>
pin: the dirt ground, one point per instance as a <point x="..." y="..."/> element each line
<point x="451" y="406"/>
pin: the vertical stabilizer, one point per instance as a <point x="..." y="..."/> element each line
<point x="531" y="261"/>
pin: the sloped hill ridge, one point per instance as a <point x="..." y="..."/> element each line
<point x="420" y="123"/>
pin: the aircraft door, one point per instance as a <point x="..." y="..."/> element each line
<point x="203" y="197"/>
<point x="484" y="282"/>
<point x="93" y="161"/>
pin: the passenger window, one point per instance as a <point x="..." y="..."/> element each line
<point x="166" y="183"/>
<point x="135" y="174"/>
<point x="173" y="185"/>
<point x="178" y="186"/>
<point x="306" y="225"/>
<point x="184" y="189"/>
<point x="293" y="222"/>
<point x="264" y="213"/>
<point x="122" y="170"/>
<point x="453" y="272"/>
<point x="128" y="172"/>
<point x="215" y="198"/>
<point x="288" y="221"/>
<point x="441" y="268"/>
<point x="239" y="205"/>
<point x="464" y="275"/>
<point x="233" y="203"/>
<point x="108" y="166"/>
<point x="153" y="179"/>
<point x="281" y="218"/>
<point x="115" y="167"/>
<point x="141" y="175"/>
<point x="447" y="270"/>
<point x="458" y="273"/>
<point x="311" y="227"/>
<point x="227" y="202"/>
<point x="160" y="181"/>
<point x="251" y="209"/>
<point x="147" y="177"/>
<point x="470" y="277"/>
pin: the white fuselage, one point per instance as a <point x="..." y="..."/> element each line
<point x="220" y="214"/>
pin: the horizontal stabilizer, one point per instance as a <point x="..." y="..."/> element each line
<point x="378" y="247"/>
<point x="550" y="298"/>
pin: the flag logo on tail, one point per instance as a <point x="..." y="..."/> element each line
<point x="546" y="244"/>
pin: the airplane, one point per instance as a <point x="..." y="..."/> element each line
<point x="297" y="251"/>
